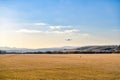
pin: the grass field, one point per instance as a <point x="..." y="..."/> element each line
<point x="60" y="67"/>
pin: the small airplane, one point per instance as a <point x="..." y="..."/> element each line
<point x="68" y="39"/>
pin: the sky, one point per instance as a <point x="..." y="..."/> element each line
<point x="49" y="23"/>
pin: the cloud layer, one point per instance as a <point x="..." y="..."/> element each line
<point x="56" y="31"/>
<point x="46" y="28"/>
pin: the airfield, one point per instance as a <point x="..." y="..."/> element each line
<point x="60" y="67"/>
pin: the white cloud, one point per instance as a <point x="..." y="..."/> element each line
<point x="56" y="32"/>
<point x="64" y="31"/>
<point x="59" y="27"/>
<point x="28" y="31"/>
<point x="71" y="31"/>
<point x="40" y="24"/>
<point x="56" y="27"/>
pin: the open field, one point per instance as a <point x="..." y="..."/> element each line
<point x="60" y="67"/>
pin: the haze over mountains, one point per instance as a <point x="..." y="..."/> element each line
<point x="65" y="49"/>
<point x="14" y="49"/>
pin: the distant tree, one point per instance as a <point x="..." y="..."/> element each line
<point x="117" y="49"/>
<point x="2" y="52"/>
<point x="49" y="52"/>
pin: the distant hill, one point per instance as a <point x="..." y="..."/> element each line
<point x="113" y="48"/>
<point x="23" y="50"/>
<point x="66" y="49"/>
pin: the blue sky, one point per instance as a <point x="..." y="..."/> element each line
<point x="87" y="22"/>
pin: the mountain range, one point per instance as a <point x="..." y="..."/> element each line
<point x="22" y="50"/>
<point x="65" y="49"/>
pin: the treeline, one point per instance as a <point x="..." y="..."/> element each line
<point x="2" y="52"/>
<point x="81" y="50"/>
<point x="61" y="52"/>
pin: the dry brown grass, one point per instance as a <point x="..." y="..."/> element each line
<point x="60" y="67"/>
